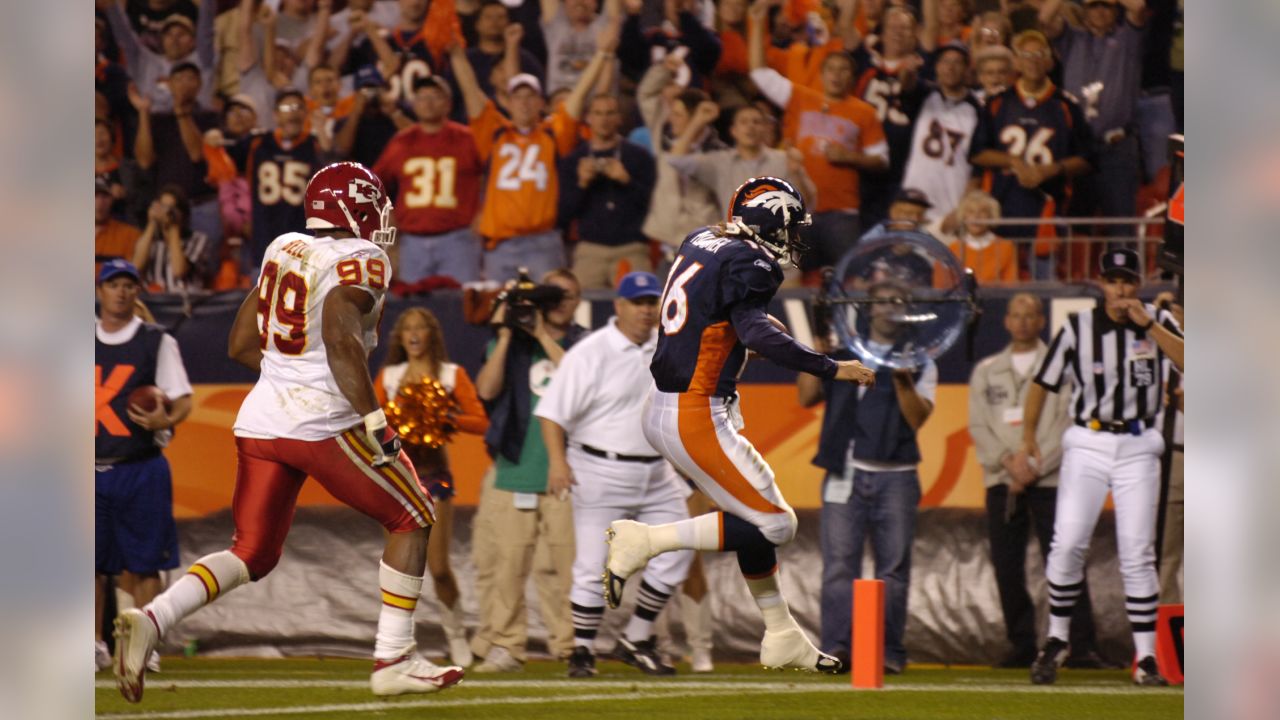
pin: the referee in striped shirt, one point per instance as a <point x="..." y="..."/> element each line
<point x="1112" y="356"/>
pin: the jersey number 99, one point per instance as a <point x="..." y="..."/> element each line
<point x="283" y="297"/>
<point x="351" y="273"/>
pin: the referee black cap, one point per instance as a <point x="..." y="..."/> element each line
<point x="1121" y="261"/>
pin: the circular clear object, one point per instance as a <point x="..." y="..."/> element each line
<point x="899" y="299"/>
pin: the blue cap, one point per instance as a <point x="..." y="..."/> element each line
<point x="639" y="284"/>
<point x="117" y="266"/>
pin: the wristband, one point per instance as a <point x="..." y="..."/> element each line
<point x="375" y="421"/>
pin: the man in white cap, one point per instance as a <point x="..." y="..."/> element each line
<point x="518" y="216"/>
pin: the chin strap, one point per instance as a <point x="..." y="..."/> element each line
<point x="386" y="235"/>
<point x="782" y="256"/>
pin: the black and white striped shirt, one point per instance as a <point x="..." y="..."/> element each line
<point x="158" y="273"/>
<point x="1115" y="367"/>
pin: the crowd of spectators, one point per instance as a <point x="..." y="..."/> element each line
<point x="597" y="133"/>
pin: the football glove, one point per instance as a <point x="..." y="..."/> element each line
<point x="383" y="438"/>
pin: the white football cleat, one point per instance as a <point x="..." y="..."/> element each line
<point x="629" y="551"/>
<point x="136" y="637"/>
<point x="412" y="673"/>
<point x="792" y="649"/>
<point x="153" y="662"/>
<point x="101" y="655"/>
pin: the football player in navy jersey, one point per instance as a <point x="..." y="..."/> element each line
<point x="712" y="311"/>
<point x="1030" y="140"/>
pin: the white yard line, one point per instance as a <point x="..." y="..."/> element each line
<point x="649" y="691"/>
<point x="731" y="682"/>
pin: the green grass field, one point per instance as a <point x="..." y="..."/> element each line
<point x="320" y="688"/>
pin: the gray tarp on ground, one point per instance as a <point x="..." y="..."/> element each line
<point x="322" y="598"/>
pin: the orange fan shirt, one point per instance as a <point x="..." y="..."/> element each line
<point x="115" y="239"/>
<point x="812" y="123"/>
<point x="802" y="64"/>
<point x="996" y="263"/>
<point x="522" y="190"/>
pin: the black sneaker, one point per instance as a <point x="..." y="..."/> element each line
<point x="643" y="655"/>
<point x="582" y="664"/>
<point x="1044" y="671"/>
<point x="1147" y="674"/>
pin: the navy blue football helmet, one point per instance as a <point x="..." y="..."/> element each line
<point x="771" y="210"/>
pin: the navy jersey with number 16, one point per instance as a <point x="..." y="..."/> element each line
<point x="713" y="309"/>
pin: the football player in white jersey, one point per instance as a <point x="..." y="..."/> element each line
<point x="309" y="329"/>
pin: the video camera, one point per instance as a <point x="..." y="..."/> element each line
<point x="525" y="300"/>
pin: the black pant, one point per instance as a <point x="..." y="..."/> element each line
<point x="1009" y="556"/>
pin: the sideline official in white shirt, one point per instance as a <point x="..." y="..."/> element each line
<point x="597" y="452"/>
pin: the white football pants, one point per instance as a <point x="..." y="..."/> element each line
<point x="609" y="490"/>
<point x="1128" y="466"/>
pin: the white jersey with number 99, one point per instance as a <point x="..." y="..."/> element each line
<point x="296" y="396"/>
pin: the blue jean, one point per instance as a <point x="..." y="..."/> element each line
<point x="1156" y="122"/>
<point x="455" y="254"/>
<point x="540" y="253"/>
<point x="1112" y="189"/>
<point x="882" y="506"/>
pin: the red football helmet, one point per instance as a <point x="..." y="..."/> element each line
<point x="349" y="195"/>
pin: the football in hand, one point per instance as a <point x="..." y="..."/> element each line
<point x="148" y="397"/>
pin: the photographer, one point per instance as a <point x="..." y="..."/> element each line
<point x="605" y="184"/>
<point x="374" y="119"/>
<point x="516" y="519"/>
<point x="169" y="255"/>
<point x="869" y="451"/>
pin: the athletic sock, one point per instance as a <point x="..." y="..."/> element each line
<point x="1062" y="603"/>
<point x="767" y="593"/>
<point x="395" y="621"/>
<point x="1142" y="618"/>
<point x="586" y="623"/>
<point x="697" y="533"/>
<point x="649" y="603"/>
<point x="207" y="579"/>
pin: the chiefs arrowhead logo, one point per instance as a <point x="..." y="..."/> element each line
<point x="362" y="191"/>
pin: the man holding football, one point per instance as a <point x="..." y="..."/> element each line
<point x="135" y="536"/>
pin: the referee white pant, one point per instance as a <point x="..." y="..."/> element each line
<point x="1129" y="467"/>
<point x="700" y="436"/>
<point x="609" y="490"/>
